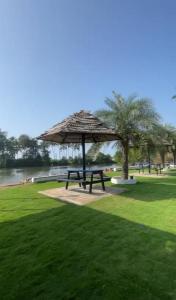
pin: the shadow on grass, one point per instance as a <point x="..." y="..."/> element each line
<point x="20" y="198"/>
<point x="171" y="172"/>
<point x="79" y="253"/>
<point x="151" y="189"/>
<point x="20" y="209"/>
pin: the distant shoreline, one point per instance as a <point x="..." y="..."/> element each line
<point x="13" y="184"/>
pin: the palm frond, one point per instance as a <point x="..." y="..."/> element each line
<point x="94" y="150"/>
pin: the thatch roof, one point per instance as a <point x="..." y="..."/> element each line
<point x="72" y="128"/>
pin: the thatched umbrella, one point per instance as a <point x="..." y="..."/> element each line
<point x="81" y="127"/>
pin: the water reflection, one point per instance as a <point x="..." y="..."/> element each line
<point x="11" y="176"/>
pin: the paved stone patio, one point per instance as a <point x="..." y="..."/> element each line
<point x="79" y="196"/>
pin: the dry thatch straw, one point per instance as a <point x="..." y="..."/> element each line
<point x="77" y="126"/>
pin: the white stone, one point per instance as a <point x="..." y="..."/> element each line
<point x="120" y="180"/>
<point x="45" y="178"/>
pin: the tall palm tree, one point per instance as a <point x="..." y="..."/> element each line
<point x="156" y="141"/>
<point x="162" y="137"/>
<point x="172" y="141"/>
<point x="131" y="117"/>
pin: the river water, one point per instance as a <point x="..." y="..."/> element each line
<point x="13" y="176"/>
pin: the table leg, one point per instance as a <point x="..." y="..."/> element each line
<point x="102" y="182"/>
<point x="84" y="179"/>
<point x="90" y="186"/>
<point x="68" y="177"/>
<point x="78" y="176"/>
<point x="84" y="186"/>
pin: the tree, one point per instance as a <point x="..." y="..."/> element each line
<point x="136" y="154"/>
<point x="28" y="146"/>
<point x="44" y="149"/>
<point x="12" y="147"/>
<point x="8" y="149"/>
<point x="155" y="141"/>
<point x="172" y="141"/>
<point x="3" y="144"/>
<point x="24" y="141"/>
<point x="162" y="141"/>
<point x="131" y="118"/>
<point x="103" y="158"/>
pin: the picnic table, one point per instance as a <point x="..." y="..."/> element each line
<point x="86" y="177"/>
<point x="152" y="167"/>
<point x="158" y="168"/>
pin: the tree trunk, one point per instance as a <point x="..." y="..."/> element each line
<point x="125" y="159"/>
<point x="149" y="159"/>
<point x="174" y="156"/>
<point x="162" y="155"/>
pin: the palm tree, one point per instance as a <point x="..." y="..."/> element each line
<point x="131" y="118"/>
<point x="172" y="141"/>
<point x="163" y="141"/>
<point x="157" y="141"/>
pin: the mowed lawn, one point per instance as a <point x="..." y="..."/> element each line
<point x="121" y="247"/>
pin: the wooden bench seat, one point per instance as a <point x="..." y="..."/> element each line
<point x="97" y="180"/>
<point x="89" y="181"/>
<point x="70" y="180"/>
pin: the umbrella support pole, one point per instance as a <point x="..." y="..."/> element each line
<point x="84" y="159"/>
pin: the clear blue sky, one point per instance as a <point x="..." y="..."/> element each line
<point x="59" y="56"/>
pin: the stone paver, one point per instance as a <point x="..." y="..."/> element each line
<point x="79" y="196"/>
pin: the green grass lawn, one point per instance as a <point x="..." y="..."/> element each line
<point x="122" y="247"/>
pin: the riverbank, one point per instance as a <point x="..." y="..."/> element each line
<point x="15" y="176"/>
